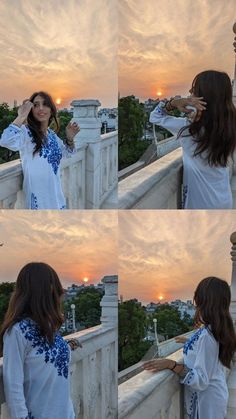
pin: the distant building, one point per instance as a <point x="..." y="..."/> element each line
<point x="109" y="119"/>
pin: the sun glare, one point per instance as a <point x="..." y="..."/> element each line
<point x="159" y="93"/>
<point x="160" y="298"/>
<point x="58" y="101"/>
<point x="85" y="279"/>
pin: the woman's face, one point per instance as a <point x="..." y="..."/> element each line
<point x="40" y="110"/>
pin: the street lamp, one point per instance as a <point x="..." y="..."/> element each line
<point x="73" y="317"/>
<point x="155" y="330"/>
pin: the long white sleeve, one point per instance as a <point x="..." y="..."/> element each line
<point x="198" y="377"/>
<point x="159" y="117"/>
<point x="14" y="349"/>
<point x="67" y="151"/>
<point x="13" y="137"/>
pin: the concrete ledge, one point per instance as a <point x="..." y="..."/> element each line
<point x="155" y="186"/>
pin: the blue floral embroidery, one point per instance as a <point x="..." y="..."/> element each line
<point x="57" y="353"/>
<point x="193" y="405"/>
<point x="194" y="338"/>
<point x="51" y="151"/>
<point x="29" y="416"/>
<point x="184" y="195"/>
<point x="34" y="202"/>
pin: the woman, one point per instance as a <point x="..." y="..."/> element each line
<point x="35" y="356"/>
<point x="208" y="139"/>
<point x="40" y="150"/>
<point x="206" y="353"/>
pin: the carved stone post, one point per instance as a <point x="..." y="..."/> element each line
<point x="109" y="301"/>
<point x="85" y="114"/>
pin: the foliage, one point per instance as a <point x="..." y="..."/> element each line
<point x="6" y="289"/>
<point x="132" y="119"/>
<point x="64" y="119"/>
<point x="132" y="330"/>
<point x="87" y="307"/>
<point x="169" y="322"/>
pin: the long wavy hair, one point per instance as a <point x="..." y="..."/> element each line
<point x="212" y="298"/>
<point x="37" y="296"/>
<point x="35" y="126"/>
<point x="215" y="132"/>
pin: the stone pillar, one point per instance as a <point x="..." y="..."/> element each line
<point x="109" y="302"/>
<point x="85" y="114"/>
<point x="234" y="81"/>
<point x="231" y="411"/>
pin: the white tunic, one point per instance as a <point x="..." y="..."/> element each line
<point x="206" y="392"/>
<point x="35" y="375"/>
<point x="41" y="184"/>
<point x="204" y="186"/>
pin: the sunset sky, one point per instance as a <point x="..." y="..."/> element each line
<point x="166" y="253"/>
<point x="66" y="47"/>
<point x="78" y="244"/>
<point x="164" y="44"/>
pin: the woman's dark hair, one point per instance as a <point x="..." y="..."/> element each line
<point x="212" y="298"/>
<point x="215" y="132"/>
<point x="37" y="296"/>
<point x="35" y="126"/>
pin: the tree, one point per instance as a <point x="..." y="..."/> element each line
<point x="132" y="330"/>
<point x="169" y="322"/>
<point x="6" y="289"/>
<point x="7" y="116"/>
<point x="87" y="307"/>
<point x="64" y="119"/>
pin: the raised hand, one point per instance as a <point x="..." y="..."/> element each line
<point x="182" y="104"/>
<point x="23" y="112"/>
<point x="181" y="339"/>
<point x="71" y="130"/>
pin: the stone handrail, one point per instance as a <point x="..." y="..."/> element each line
<point x="149" y="395"/>
<point x="157" y="185"/>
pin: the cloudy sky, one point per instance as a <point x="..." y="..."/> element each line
<point x="66" y="47"/>
<point x="164" y="44"/>
<point x="78" y="244"/>
<point x="166" y="253"/>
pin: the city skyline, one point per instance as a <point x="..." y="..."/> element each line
<point x="160" y="53"/>
<point x="66" y="240"/>
<point x="164" y="254"/>
<point x="66" y="48"/>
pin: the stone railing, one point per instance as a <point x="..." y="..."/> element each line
<point x="148" y="395"/>
<point x="159" y="185"/>
<point x="93" y="368"/>
<point x="89" y="177"/>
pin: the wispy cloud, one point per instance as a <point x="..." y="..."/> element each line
<point x="163" y="45"/>
<point x="67" y="47"/>
<point x="77" y="244"/>
<point x="169" y="252"/>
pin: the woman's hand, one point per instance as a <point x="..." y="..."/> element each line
<point x="156" y="365"/>
<point x="182" y="103"/>
<point x="23" y="112"/>
<point x="71" y="130"/>
<point x="74" y="344"/>
<point x="181" y="339"/>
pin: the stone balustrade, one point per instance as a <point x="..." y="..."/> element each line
<point x="89" y="177"/>
<point x="93" y="368"/>
<point x="149" y="395"/>
<point x="159" y="185"/>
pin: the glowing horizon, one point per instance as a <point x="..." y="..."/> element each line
<point x="53" y="46"/>
<point x="166" y="253"/>
<point x="66" y="240"/>
<point x="163" y="45"/>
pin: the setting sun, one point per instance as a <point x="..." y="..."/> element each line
<point x="159" y="93"/>
<point x="85" y="279"/>
<point x="160" y="297"/>
<point x="58" y="101"/>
